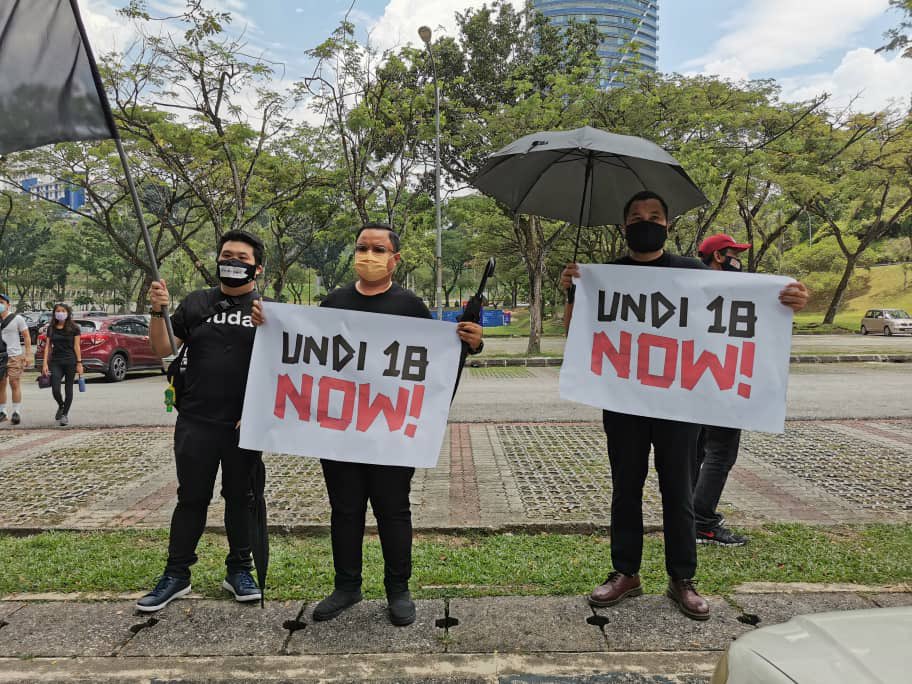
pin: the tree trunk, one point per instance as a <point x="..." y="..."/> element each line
<point x="278" y="284"/>
<point x="841" y="288"/>
<point x="142" y="295"/>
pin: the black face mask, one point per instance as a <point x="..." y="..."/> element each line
<point x="731" y="264"/>
<point x="646" y="236"/>
<point x="235" y="273"/>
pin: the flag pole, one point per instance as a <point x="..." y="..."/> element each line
<point x="137" y="207"/>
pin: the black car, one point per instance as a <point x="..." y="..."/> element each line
<point x="35" y="321"/>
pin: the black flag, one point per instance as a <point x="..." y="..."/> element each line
<point x="49" y="89"/>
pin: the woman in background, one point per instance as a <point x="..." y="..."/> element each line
<point x="62" y="358"/>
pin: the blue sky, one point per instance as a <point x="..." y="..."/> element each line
<point x="807" y="45"/>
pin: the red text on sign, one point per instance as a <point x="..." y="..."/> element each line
<point x="680" y="364"/>
<point x="359" y="405"/>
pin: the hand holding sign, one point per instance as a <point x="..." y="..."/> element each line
<point x="348" y="385"/>
<point x="696" y="346"/>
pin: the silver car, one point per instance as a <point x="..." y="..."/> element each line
<point x="849" y="647"/>
<point x="886" y="321"/>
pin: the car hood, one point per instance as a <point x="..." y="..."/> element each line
<point x="858" y="646"/>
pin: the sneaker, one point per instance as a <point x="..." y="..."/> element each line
<point x="16" y="418"/>
<point x="720" y="536"/>
<point x="243" y="586"/>
<point x="2" y="416"/>
<point x="59" y="414"/>
<point x="333" y="605"/>
<point x="64" y="419"/>
<point x="401" y="608"/>
<point x="166" y="590"/>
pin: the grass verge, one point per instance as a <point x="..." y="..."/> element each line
<point x="461" y="565"/>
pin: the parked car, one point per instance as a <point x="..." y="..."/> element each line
<point x="868" y="646"/>
<point x="886" y="321"/>
<point x="113" y="346"/>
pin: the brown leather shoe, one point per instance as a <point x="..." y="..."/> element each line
<point x="689" y="601"/>
<point x="615" y="589"/>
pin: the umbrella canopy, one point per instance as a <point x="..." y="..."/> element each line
<point x="584" y="176"/>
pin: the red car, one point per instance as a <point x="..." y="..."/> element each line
<point x="112" y="345"/>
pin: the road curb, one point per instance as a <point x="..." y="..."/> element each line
<point x="555" y="361"/>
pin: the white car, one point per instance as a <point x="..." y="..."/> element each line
<point x="846" y="647"/>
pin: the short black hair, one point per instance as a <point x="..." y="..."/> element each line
<point x="376" y="225"/>
<point x="244" y="236"/>
<point x="645" y="195"/>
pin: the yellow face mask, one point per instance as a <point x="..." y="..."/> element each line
<point x="371" y="267"/>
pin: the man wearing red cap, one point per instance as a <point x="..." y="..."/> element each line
<point x="717" y="448"/>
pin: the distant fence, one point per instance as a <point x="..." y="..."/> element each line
<point x="490" y="318"/>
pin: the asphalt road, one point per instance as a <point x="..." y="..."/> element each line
<point x="865" y="390"/>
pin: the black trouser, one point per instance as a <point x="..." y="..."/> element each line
<point x="717" y="451"/>
<point x="66" y="372"/>
<point x="350" y="486"/>
<point x="199" y="448"/>
<point x="629" y="439"/>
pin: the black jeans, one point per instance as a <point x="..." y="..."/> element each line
<point x="629" y="440"/>
<point x="350" y="486"/>
<point x="199" y="449"/>
<point x="63" y="372"/>
<point x="717" y="451"/>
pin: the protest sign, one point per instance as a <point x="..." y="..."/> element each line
<point x="349" y="386"/>
<point x="704" y="347"/>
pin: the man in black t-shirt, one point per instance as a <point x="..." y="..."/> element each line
<point x="216" y="326"/>
<point x="351" y="485"/>
<point x="674" y="443"/>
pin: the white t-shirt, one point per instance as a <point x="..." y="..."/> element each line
<point x="11" y="335"/>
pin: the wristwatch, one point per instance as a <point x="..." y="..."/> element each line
<point x="155" y="314"/>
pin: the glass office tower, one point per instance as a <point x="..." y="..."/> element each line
<point x="619" y="22"/>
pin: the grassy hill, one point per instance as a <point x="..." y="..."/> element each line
<point x="885" y="291"/>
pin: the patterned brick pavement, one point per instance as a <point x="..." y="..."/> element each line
<point x="500" y="475"/>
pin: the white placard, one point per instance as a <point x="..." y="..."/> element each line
<point x="349" y="386"/>
<point x="699" y="346"/>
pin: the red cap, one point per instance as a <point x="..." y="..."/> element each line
<point x="717" y="243"/>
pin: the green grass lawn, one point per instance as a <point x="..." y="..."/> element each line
<point x="461" y="565"/>
<point x="519" y="326"/>
<point x="886" y="292"/>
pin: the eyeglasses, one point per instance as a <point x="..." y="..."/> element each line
<point x="376" y="249"/>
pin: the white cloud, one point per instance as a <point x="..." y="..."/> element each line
<point x="401" y="19"/>
<point x="774" y="35"/>
<point x="107" y="30"/>
<point x="877" y="81"/>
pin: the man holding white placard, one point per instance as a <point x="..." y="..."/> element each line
<point x="350" y="485"/>
<point x="630" y="438"/>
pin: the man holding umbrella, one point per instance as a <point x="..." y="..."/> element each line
<point x="674" y="443"/>
<point x="351" y="485"/>
<point x="216" y="327"/>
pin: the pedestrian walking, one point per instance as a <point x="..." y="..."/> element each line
<point x="62" y="359"/>
<point x="351" y="485"/>
<point x="215" y="325"/>
<point x="674" y="443"/>
<point x="18" y="344"/>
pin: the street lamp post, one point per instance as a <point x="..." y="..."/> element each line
<point x="425" y="33"/>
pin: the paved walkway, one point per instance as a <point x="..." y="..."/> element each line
<point x="489" y="475"/>
<point x="498" y="639"/>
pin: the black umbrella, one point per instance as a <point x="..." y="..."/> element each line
<point x="472" y="313"/>
<point x="259" y="531"/>
<point x="584" y="176"/>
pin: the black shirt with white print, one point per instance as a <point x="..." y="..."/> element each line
<point x="218" y="353"/>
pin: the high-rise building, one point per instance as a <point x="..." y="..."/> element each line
<point x="621" y="22"/>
